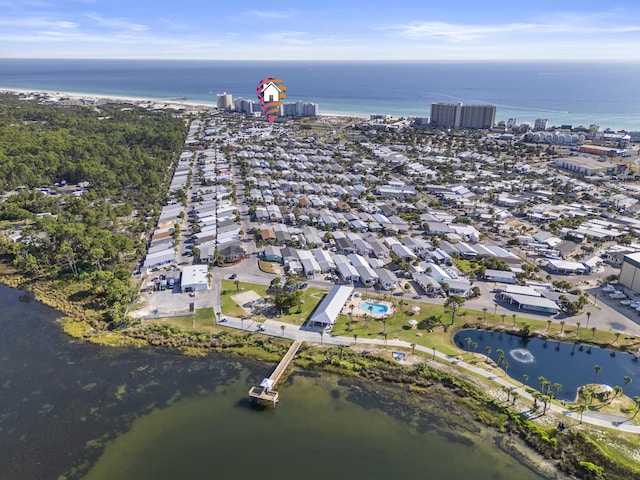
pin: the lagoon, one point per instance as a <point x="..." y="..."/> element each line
<point x="75" y="409"/>
<point x="569" y="364"/>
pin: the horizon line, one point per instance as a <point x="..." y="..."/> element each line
<point x="360" y="60"/>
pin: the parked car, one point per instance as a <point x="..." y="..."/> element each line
<point x="233" y="276"/>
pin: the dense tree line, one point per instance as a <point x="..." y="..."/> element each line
<point x="123" y="152"/>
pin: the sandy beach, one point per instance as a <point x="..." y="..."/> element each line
<point x="172" y="103"/>
<point x="109" y="98"/>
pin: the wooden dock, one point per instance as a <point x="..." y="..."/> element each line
<point x="265" y="391"/>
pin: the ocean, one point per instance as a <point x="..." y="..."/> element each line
<point x="575" y="93"/>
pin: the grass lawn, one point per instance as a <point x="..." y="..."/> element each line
<point x="297" y="315"/>
<point x="463" y="265"/>
<point x="205" y="317"/>
<point x="185" y="321"/>
<point x="397" y="327"/>
<point x="270" y="267"/>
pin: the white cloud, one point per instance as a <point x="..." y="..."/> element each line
<point x="574" y="24"/>
<point x="38" y="22"/>
<point x="294" y="38"/>
<point x="270" y="15"/>
<point x="118" y="23"/>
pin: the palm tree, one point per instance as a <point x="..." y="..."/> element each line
<point x="385" y="338"/>
<point x="384" y="325"/>
<point x="237" y="284"/>
<point x="507" y="390"/>
<point x="595" y="299"/>
<point x="556" y="388"/>
<point x="617" y="334"/>
<point x="474" y="345"/>
<point x="242" y="323"/>
<point x="484" y="312"/>
<point x="577" y="329"/>
<point x="218" y="314"/>
<point x="434" y="352"/>
<point x="548" y="325"/>
<point x="500" y="353"/>
<point x="593" y="333"/>
<point x="454" y="303"/>
<point x="495" y="308"/>
<point x="543" y="382"/>
<point x="582" y="408"/>
<point x="546" y="399"/>
<point x="503" y="317"/>
<point x="617" y="390"/>
<point x="282" y="327"/>
<point x="514" y="396"/>
<point x="413" y="348"/>
<point x="355" y="338"/>
<point x="468" y="340"/>
<point x="636" y="399"/>
<point x="597" y="369"/>
<point x="627" y="380"/>
<point x="525" y="377"/>
<point x="321" y="336"/>
<point x="514" y="319"/>
<point x="487" y="350"/>
<point x="588" y="318"/>
<point x="562" y="322"/>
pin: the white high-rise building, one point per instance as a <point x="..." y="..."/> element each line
<point x="540" y="124"/>
<point x="224" y="101"/>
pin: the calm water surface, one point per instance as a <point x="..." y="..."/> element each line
<point x="103" y="413"/>
<point x="571" y="365"/>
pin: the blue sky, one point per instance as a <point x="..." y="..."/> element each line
<point x="325" y="30"/>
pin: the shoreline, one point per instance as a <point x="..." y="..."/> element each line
<point x="166" y="101"/>
<point x="532" y="453"/>
<point x="201" y="104"/>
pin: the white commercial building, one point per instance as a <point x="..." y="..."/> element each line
<point x="330" y="307"/>
<point x="194" y="278"/>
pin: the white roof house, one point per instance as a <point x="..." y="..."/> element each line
<point x="162" y="257"/>
<point x="194" y="278"/>
<point x="330" y="307"/>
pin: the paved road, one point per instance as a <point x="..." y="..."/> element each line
<point x="294" y="332"/>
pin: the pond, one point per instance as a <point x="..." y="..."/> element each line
<point x="569" y="364"/>
<point x="83" y="411"/>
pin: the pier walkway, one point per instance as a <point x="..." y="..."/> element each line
<point x="264" y="392"/>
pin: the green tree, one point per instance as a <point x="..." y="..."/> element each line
<point x="487" y="351"/>
<point x="454" y="303"/>
<point x="597" y="369"/>
<point x="636" y="400"/>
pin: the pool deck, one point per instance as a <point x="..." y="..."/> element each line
<point x="361" y="312"/>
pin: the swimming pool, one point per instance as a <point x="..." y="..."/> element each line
<point x="374" y="308"/>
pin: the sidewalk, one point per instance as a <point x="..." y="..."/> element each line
<point x="295" y="332"/>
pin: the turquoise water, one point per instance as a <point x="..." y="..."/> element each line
<point x="577" y="93"/>
<point x="376" y="308"/>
